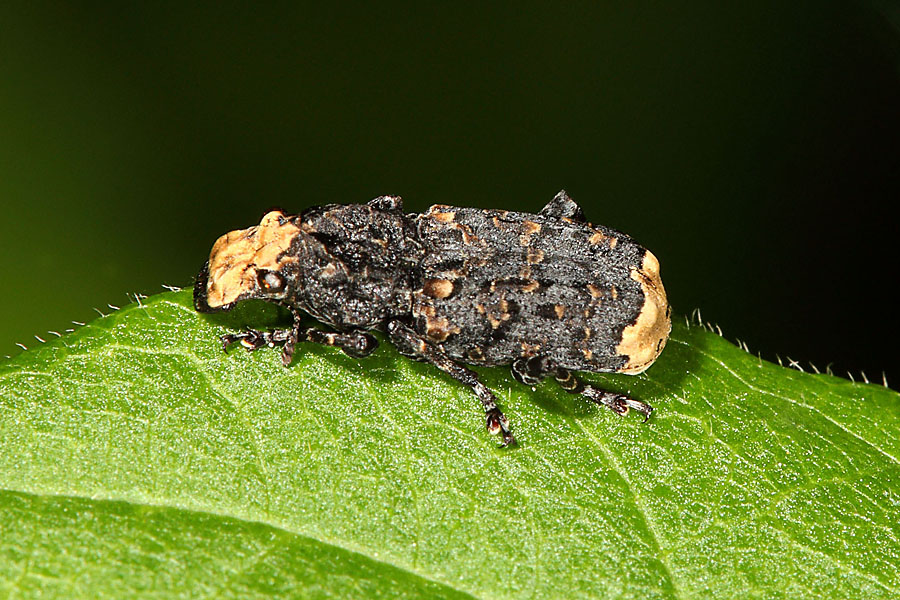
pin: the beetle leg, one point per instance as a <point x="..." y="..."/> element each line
<point x="617" y="403"/>
<point x="412" y="344"/>
<point x="531" y="371"/>
<point x="253" y="339"/>
<point x="355" y="343"/>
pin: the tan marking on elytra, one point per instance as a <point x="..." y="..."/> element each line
<point x="480" y="309"/>
<point x="441" y="213"/>
<point x="614" y="292"/>
<point x="504" y="307"/>
<point x="587" y="333"/>
<point x="497" y="319"/>
<point x="453" y="274"/>
<point x="469" y="238"/>
<point x="496" y="222"/>
<point x="597" y="238"/>
<point x="421" y="309"/>
<point x="531" y="286"/>
<point x="525" y="272"/>
<point x="643" y="341"/>
<point x="475" y="353"/>
<point x="588" y="354"/>
<point x="529" y="228"/>
<point x="595" y="291"/>
<point x="237" y="255"/>
<point x="529" y="350"/>
<point x="560" y="310"/>
<point x="448" y="218"/>
<point x="613" y="242"/>
<point x="329" y="270"/>
<point x="438" y="288"/>
<point x="535" y="255"/>
<point x="439" y="328"/>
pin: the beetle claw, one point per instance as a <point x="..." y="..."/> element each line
<point x="226" y="340"/>
<point x="497" y="423"/>
<point x="641" y="407"/>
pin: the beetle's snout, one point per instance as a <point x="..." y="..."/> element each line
<point x="201" y="304"/>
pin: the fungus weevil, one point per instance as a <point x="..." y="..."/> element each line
<point x="547" y="293"/>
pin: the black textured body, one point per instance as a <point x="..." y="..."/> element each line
<point x="363" y="269"/>
<point x="522" y="292"/>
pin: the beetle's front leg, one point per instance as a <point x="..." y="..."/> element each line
<point x="253" y="339"/>
<point x="412" y="344"/>
<point x="355" y="343"/>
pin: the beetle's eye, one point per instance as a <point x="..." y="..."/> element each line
<point x="270" y="281"/>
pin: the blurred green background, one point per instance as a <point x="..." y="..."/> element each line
<point x="752" y="146"/>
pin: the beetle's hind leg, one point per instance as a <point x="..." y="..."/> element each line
<point x="533" y="370"/>
<point x="617" y="403"/>
<point x="410" y="343"/>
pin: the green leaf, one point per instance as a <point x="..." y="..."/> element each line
<point x="139" y="460"/>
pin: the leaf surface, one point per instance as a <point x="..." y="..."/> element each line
<point x="139" y="460"/>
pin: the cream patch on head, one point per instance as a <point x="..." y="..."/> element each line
<point x="236" y="256"/>
<point x="642" y="342"/>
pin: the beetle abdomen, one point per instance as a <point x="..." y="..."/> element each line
<point x="498" y="285"/>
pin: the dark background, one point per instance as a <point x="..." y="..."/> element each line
<point x="752" y="147"/>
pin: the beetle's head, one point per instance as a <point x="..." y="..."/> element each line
<point x="250" y="263"/>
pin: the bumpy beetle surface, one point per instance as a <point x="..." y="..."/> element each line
<point x="547" y="293"/>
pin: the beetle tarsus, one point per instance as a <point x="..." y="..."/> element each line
<point x="617" y="403"/>
<point x="410" y="343"/>
<point x="497" y="423"/>
<point x="641" y="407"/>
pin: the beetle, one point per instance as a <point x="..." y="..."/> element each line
<point x="547" y="293"/>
